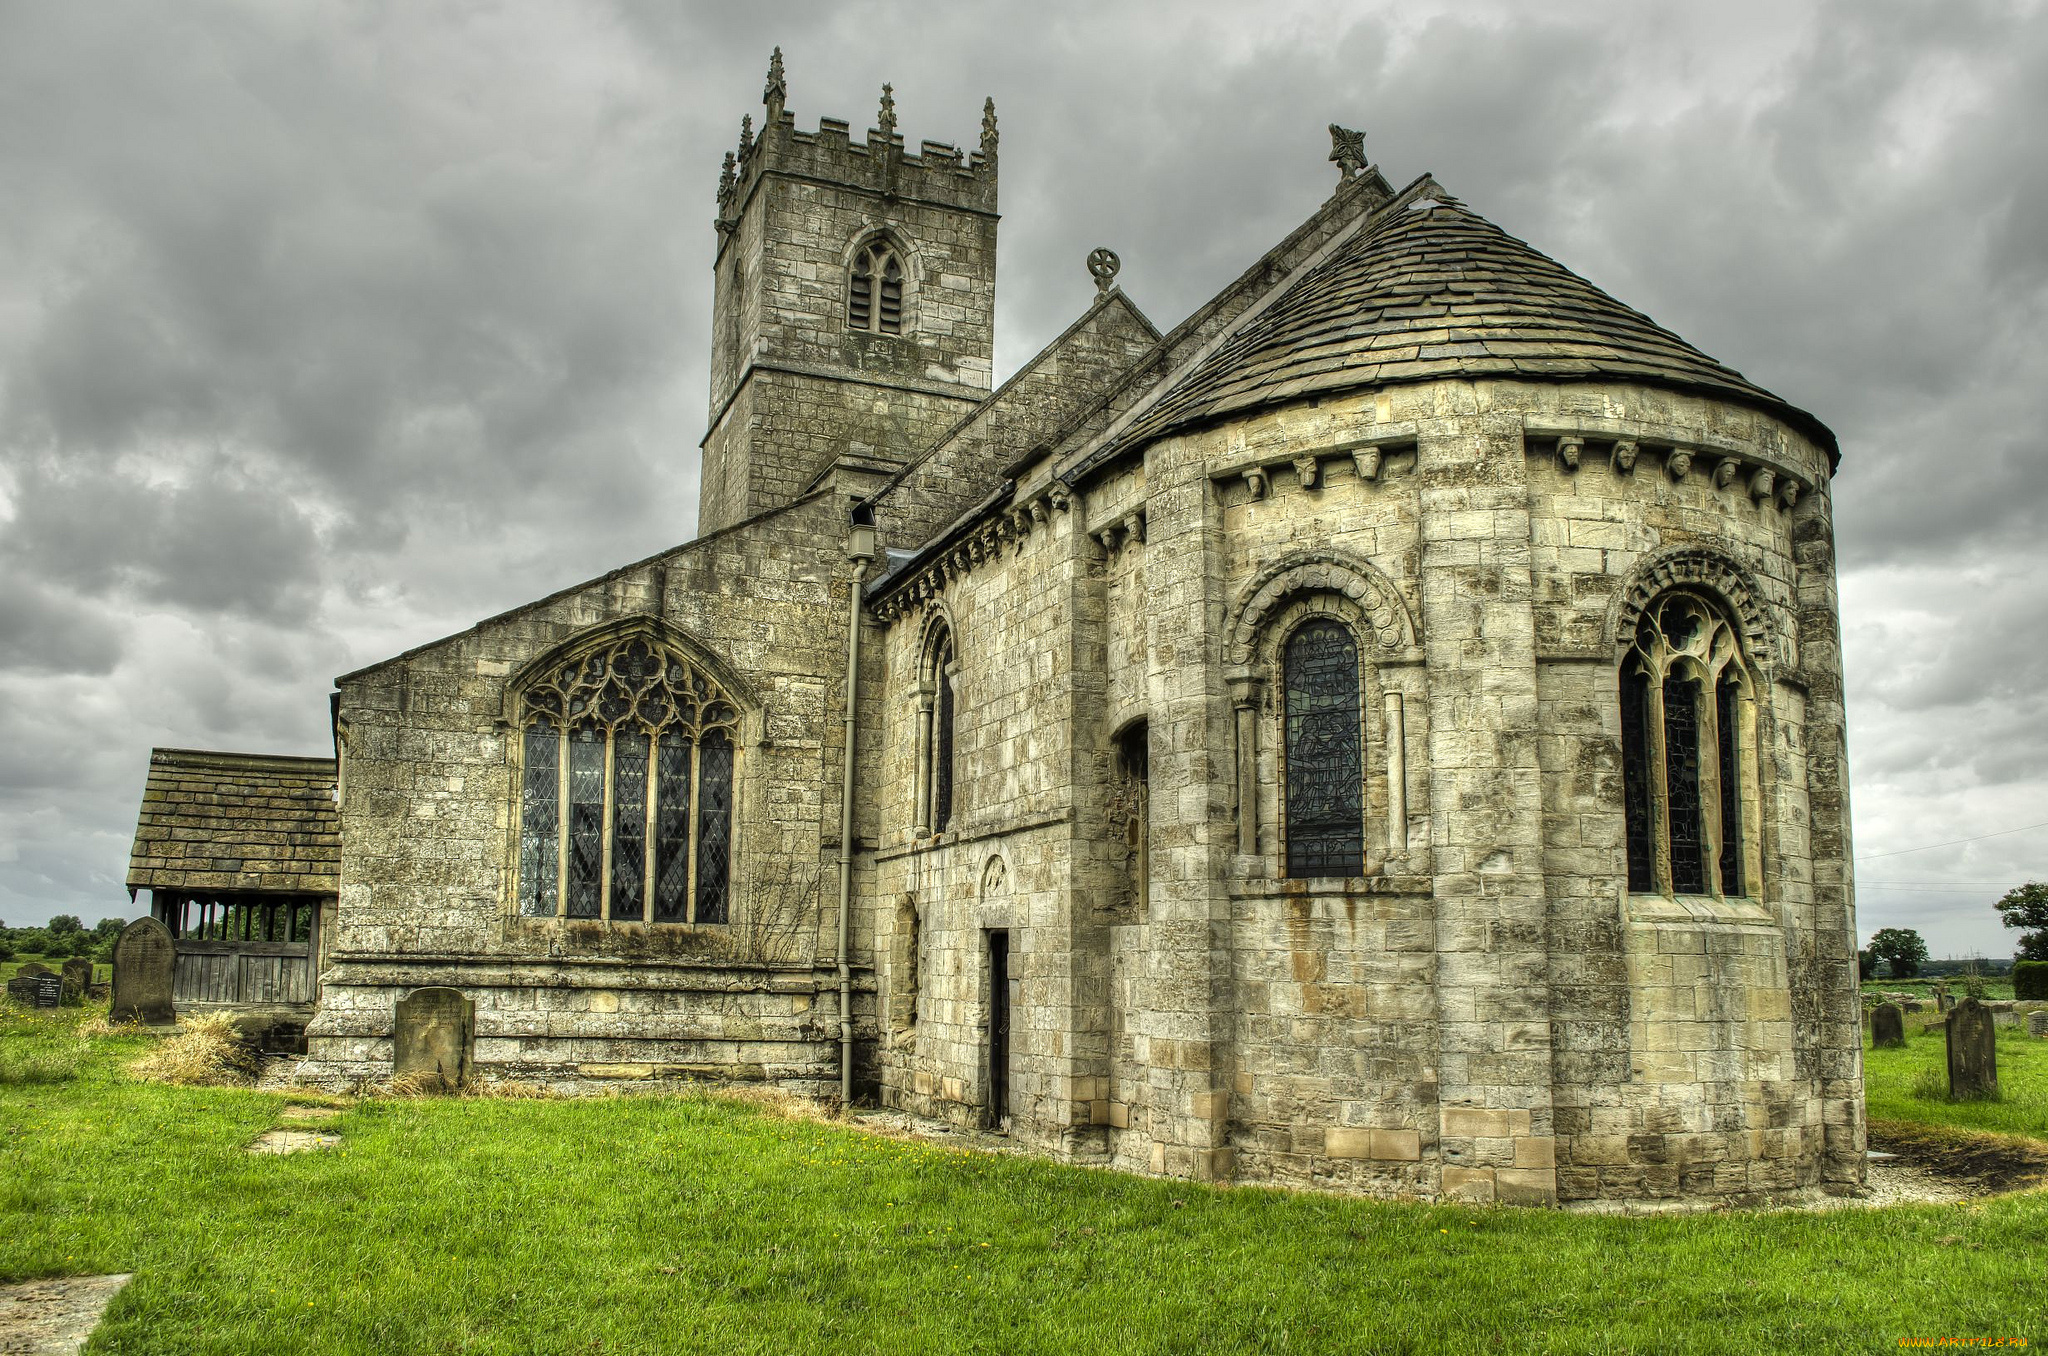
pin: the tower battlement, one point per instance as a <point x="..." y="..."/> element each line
<point x="939" y="173"/>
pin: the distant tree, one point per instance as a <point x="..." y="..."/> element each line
<point x="1866" y="963"/>
<point x="64" y="924"/>
<point x="2026" y="906"/>
<point x="107" y="929"/>
<point x="1900" y="948"/>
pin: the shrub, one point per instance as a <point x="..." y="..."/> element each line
<point x="2030" y="979"/>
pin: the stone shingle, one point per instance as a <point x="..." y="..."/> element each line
<point x="236" y="821"/>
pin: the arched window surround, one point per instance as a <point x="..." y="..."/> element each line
<point x="1301" y="588"/>
<point x="936" y="783"/>
<point x="726" y="721"/>
<point x="872" y="303"/>
<point x="1687" y="689"/>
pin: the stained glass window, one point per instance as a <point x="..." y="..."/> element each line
<point x="942" y="740"/>
<point x="1727" y="713"/>
<point x="1685" y="768"/>
<point x="1325" y="753"/>
<point x="619" y="746"/>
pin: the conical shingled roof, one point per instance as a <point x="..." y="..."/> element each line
<point x="1431" y="290"/>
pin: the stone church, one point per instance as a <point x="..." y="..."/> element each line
<point x="1385" y="733"/>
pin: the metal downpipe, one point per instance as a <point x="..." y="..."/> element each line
<point x="860" y="549"/>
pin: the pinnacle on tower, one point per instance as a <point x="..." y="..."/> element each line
<point x="776" y="93"/>
<point x="988" y="128"/>
<point x="885" y="121"/>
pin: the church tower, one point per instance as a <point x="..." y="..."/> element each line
<point x="854" y="305"/>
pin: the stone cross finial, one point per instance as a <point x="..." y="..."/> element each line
<point x="1102" y="266"/>
<point x="886" y="119"/>
<point x="1347" y="148"/>
<point x="776" y="92"/>
<point x="746" y="134"/>
<point x="988" y="128"/>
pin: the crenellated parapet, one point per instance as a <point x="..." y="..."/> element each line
<point x="938" y="172"/>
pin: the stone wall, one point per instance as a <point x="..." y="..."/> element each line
<point x="430" y="835"/>
<point x="1488" y="1014"/>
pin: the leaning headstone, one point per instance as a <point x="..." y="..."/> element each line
<point x="2037" y="1023"/>
<point x="49" y="990"/>
<point x="144" y="964"/>
<point x="434" y="1037"/>
<point x="77" y="979"/>
<point x="1972" y="1052"/>
<point x="1887" y="1026"/>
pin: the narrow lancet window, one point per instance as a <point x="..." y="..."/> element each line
<point x="586" y="821"/>
<point x="942" y="739"/>
<point x="1682" y="784"/>
<point x="1727" y="720"/>
<point x="714" y="826"/>
<point x="1324" y="747"/>
<point x="1635" y="772"/>
<point x="540" y="800"/>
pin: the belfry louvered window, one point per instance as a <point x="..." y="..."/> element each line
<point x="626" y="789"/>
<point x="1324" y="746"/>
<point x="874" y="295"/>
<point x="1686" y="751"/>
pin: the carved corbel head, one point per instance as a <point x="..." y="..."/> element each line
<point x="1762" y="483"/>
<point x="1568" y="450"/>
<point x="1788" y="493"/>
<point x="1134" y="527"/>
<point x="1255" y="481"/>
<point x="1724" y="471"/>
<point x="1678" y="463"/>
<point x="1305" y="471"/>
<point x="1367" y="459"/>
<point x="1623" y="459"/>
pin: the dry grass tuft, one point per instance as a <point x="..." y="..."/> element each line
<point x="205" y="1053"/>
<point x="779" y="1103"/>
<point x="98" y="1025"/>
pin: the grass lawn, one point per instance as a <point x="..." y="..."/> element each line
<point x="1894" y="1082"/>
<point x="692" y="1224"/>
<point x="1996" y="988"/>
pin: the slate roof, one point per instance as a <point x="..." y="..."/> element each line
<point x="1431" y="290"/>
<point x="237" y="821"/>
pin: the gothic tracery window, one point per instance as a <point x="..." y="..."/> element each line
<point x="626" y="789"/>
<point x="1323" y="744"/>
<point x="1685" y="750"/>
<point x="874" y="294"/>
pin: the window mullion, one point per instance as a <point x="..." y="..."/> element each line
<point x="649" y="909"/>
<point x="562" y="822"/>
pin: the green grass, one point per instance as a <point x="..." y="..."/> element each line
<point x="668" y="1224"/>
<point x="1894" y="1082"/>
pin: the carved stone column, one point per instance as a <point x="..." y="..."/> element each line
<point x="1397" y="776"/>
<point x="1244" y="696"/>
<point x="921" y="775"/>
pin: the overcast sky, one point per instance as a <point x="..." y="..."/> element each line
<point x="329" y="329"/>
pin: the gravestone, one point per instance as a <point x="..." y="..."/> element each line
<point x="1887" y="1026"/>
<point x="144" y="964"/>
<point x="434" y="1037"/>
<point x="1942" y="1002"/>
<point x="22" y="989"/>
<point x="77" y="979"/>
<point x="34" y="971"/>
<point x="49" y="990"/>
<point x="1972" y="1052"/>
<point x="2037" y="1023"/>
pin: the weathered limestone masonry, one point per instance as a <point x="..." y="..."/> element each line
<point x="1384" y="734"/>
<point x="796" y="391"/>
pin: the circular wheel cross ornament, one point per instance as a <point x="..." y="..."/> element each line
<point x="1103" y="264"/>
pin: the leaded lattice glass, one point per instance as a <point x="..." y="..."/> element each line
<point x="539" y="823"/>
<point x="625" y="728"/>
<point x="582" y="897"/>
<point x="629" y="824"/>
<point x="672" y="830"/>
<point x="942" y="742"/>
<point x="1682" y="784"/>
<point x="1635" y="773"/>
<point x="1727" y="711"/>
<point x="1325" y="753"/>
<point x="714" y="826"/>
